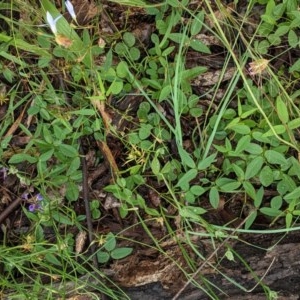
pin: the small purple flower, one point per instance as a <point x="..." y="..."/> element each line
<point x="25" y="196"/>
<point x="33" y="207"/>
<point x="39" y="197"/>
<point x="36" y="206"/>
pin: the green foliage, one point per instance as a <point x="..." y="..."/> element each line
<point x="279" y="21"/>
<point x="126" y="48"/>
<point x="181" y="148"/>
<point x="95" y="211"/>
<point x="111" y="251"/>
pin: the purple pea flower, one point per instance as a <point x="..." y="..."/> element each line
<point x="39" y="197"/>
<point x="25" y="196"/>
<point x="36" y="206"/>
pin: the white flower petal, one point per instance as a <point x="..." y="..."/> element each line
<point x="70" y="9"/>
<point x="52" y="22"/>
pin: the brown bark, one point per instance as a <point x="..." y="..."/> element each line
<point x="272" y="265"/>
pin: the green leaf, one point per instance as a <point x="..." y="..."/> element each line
<point x="197" y="190"/>
<point x="102" y="257"/>
<point x="165" y="92"/>
<point x="191" y="212"/>
<point x="199" y="46"/>
<point x="197" y="210"/>
<point x="269" y="211"/>
<point x="228" y="144"/>
<point x="296" y="22"/>
<point x="189" y="197"/>
<point x="249" y="189"/>
<point x="259" y="197"/>
<point x="262" y="46"/>
<point x="295" y="194"/>
<point x="96" y="214"/>
<point x="254" y="149"/>
<point x="279" y="9"/>
<point x="248" y="113"/>
<point x="145" y="131"/>
<point x="179" y="38"/>
<point x="51" y="258"/>
<point x="72" y="192"/>
<point x="197" y="23"/>
<point x="174" y="3"/>
<point x="295" y="67"/>
<point x="196" y="112"/>
<point x="84" y="112"/>
<point x="183" y="182"/>
<point x="122" y="69"/>
<point x="227" y="184"/>
<point x="46" y="155"/>
<point x="94" y="204"/>
<point x="287" y="184"/>
<point x="134" y="53"/>
<point x="282" y="110"/>
<point x="266" y="176"/>
<point x="276" y="202"/>
<point x="257" y="135"/>
<point x="294" y="124"/>
<point x="205" y="163"/>
<point x="186" y="158"/>
<point x="268" y="19"/>
<point x="265" y="29"/>
<point x="279" y="129"/>
<point x="229" y="255"/>
<point x="238" y="171"/>
<point x="288" y="220"/>
<point x="214" y="197"/>
<point x="152" y="83"/>
<point x="115" y="88"/>
<point x="271" y="5"/>
<point x="74" y="166"/>
<point x="67" y="150"/>
<point x="293" y="39"/>
<point x="134" y="3"/>
<point x="152" y="212"/>
<point x="275" y="158"/>
<point x="121" y="49"/>
<point x="22" y="45"/>
<point x="274" y="39"/>
<point x="242" y="144"/>
<point x="120" y="253"/>
<point x="240" y="128"/>
<point x="155" y="166"/>
<point x="129" y="39"/>
<point x="221" y="149"/>
<point x="18" y="158"/>
<point x="193" y="72"/>
<point x="168" y="51"/>
<point x="282" y="30"/>
<point x="250" y="219"/>
<point x="254" y="167"/>
<point x="110" y="242"/>
<point x="61" y="218"/>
